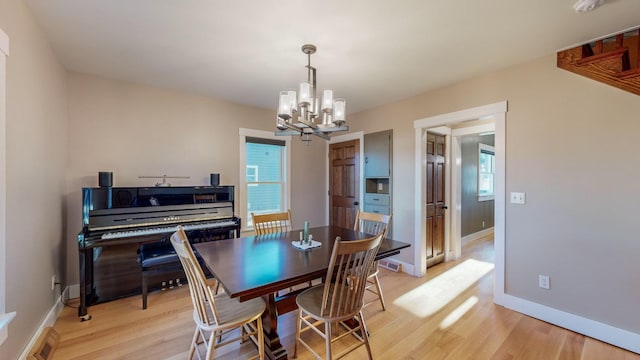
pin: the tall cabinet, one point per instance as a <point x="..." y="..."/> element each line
<point x="378" y="149"/>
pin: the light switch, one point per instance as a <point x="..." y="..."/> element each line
<point x="517" y="198"/>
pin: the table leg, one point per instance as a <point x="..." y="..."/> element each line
<point x="273" y="348"/>
<point x="276" y="305"/>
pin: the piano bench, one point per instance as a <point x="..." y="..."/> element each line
<point x="156" y="258"/>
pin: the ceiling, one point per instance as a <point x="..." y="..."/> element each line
<point x="371" y="52"/>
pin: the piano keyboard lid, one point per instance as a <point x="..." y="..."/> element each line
<point x="105" y="219"/>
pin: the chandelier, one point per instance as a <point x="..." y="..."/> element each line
<point x="299" y="114"/>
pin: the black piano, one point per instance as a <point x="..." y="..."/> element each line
<point x="117" y="220"/>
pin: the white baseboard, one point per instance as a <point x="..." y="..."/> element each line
<point x="72" y="292"/>
<point x="48" y="320"/>
<point x="476" y="235"/>
<point x="603" y="332"/>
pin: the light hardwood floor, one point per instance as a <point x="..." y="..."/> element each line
<point x="426" y="318"/>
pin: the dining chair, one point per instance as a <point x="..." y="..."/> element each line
<point x="340" y="298"/>
<point x="373" y="224"/>
<point x="272" y="223"/>
<point x="216" y="313"/>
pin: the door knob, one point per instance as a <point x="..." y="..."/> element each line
<point x="356" y="203"/>
<point x="444" y="207"/>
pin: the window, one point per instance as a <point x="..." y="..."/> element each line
<point x="486" y="172"/>
<point x="264" y="163"/>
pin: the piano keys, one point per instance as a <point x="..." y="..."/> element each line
<point x="117" y="220"/>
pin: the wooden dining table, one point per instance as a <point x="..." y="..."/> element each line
<point x="262" y="265"/>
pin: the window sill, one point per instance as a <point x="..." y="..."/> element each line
<point x="5" y="319"/>
<point x="486" y="197"/>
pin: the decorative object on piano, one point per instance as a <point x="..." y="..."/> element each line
<point x="105" y="179"/>
<point x="215" y="179"/>
<point x="164" y="179"/>
<point x="297" y="113"/>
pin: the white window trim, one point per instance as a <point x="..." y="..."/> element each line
<point x="242" y="203"/>
<point x="493" y="151"/>
<point x="256" y="172"/>
<point x="4" y="318"/>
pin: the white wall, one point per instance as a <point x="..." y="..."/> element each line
<point x="36" y="143"/>
<point x="571" y="146"/>
<point x="136" y="130"/>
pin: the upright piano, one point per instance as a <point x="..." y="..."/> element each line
<point x="117" y="220"/>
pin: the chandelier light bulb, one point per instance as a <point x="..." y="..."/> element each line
<point x="305" y="94"/>
<point x="284" y="105"/>
<point x="327" y="100"/>
<point x="339" y="111"/>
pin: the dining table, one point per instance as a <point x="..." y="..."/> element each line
<point x="264" y="265"/>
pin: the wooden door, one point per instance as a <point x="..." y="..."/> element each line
<point x="435" y="198"/>
<point x="344" y="180"/>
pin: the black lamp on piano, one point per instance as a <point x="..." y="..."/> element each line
<point x="105" y="179"/>
<point x="215" y="179"/>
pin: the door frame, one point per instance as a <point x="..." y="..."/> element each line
<point x="497" y="112"/>
<point x="358" y="135"/>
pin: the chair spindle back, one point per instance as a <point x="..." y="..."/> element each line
<point x="372" y="224"/>
<point x="347" y="276"/>
<point x="272" y="223"/>
<point x="202" y="295"/>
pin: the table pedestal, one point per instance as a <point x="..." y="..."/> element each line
<point x="276" y="305"/>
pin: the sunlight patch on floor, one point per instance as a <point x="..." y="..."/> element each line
<point x="456" y="314"/>
<point x="428" y="298"/>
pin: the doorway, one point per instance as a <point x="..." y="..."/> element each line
<point x="476" y="218"/>
<point x="497" y="112"/>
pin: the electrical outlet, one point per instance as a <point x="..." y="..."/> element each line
<point x="543" y="282"/>
<point x="53" y="282"/>
<point x="518" y="198"/>
<point x="483" y="224"/>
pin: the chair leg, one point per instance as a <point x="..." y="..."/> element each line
<point x="211" y="345"/>
<point x="145" y="290"/>
<point x="379" y="288"/>
<point x="260" y="338"/>
<point x="194" y="343"/>
<point x="298" y="328"/>
<point x="365" y="333"/>
<point x="327" y="339"/>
